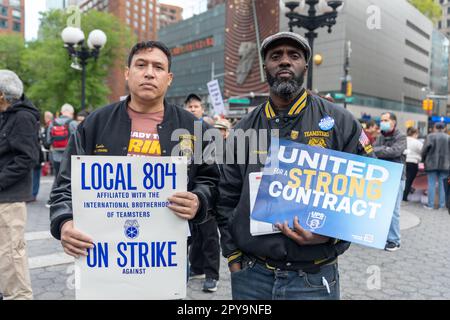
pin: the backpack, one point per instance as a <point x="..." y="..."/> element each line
<point x="60" y="135"/>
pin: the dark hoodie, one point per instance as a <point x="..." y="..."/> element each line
<point x="19" y="150"/>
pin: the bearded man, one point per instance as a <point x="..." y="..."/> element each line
<point x="294" y="263"/>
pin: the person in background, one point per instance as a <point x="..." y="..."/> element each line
<point x="194" y="105"/>
<point x="447" y="191"/>
<point x="436" y="158"/>
<point x="58" y="134"/>
<point x="391" y="146"/>
<point x="48" y="118"/>
<point x="19" y="154"/>
<point x="81" y="116"/>
<point x="47" y="167"/>
<point x="224" y="126"/>
<point x="204" y="253"/>
<point x="372" y="130"/>
<point x="413" y="157"/>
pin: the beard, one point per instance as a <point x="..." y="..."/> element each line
<point x="286" y="89"/>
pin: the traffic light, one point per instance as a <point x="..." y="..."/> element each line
<point x="427" y="105"/>
<point x="348" y="91"/>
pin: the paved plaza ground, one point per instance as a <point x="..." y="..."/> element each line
<point x="419" y="270"/>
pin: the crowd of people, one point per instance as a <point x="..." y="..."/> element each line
<point x="293" y="264"/>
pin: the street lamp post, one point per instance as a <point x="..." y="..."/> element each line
<point x="347" y="77"/>
<point x="74" y="43"/>
<point x="311" y="22"/>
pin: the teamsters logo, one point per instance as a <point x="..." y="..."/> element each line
<point x="316" y="220"/>
<point x="131" y="229"/>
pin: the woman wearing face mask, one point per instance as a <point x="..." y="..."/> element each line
<point x="413" y="157"/>
<point x="390" y="146"/>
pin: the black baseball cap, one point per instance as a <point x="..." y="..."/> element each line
<point x="192" y="96"/>
<point x="286" y="35"/>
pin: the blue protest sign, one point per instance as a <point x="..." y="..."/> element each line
<point x="335" y="194"/>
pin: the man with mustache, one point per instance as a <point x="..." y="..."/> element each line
<point x="141" y="125"/>
<point x="293" y="264"/>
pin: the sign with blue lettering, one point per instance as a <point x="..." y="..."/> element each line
<point x="335" y="194"/>
<point x="139" y="244"/>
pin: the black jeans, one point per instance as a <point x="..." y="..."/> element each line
<point x="411" y="172"/>
<point x="204" y="253"/>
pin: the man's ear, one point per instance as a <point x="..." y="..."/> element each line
<point x="170" y="78"/>
<point x="127" y="73"/>
<point x="306" y="67"/>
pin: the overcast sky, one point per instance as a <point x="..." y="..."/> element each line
<point x="33" y="7"/>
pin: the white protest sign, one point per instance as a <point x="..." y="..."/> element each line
<point x="216" y="97"/>
<point x="258" y="228"/>
<point x="140" y="244"/>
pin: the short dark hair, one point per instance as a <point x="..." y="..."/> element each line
<point x="371" y="123"/>
<point x="83" y="113"/>
<point x="439" y="126"/>
<point x="392" y="115"/>
<point x="148" y="45"/>
<point x="192" y="96"/>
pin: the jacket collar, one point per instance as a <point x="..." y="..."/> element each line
<point x="296" y="107"/>
<point x="390" y="133"/>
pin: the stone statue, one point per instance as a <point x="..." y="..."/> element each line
<point x="247" y="54"/>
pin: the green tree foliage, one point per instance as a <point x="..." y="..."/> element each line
<point x="44" y="64"/>
<point x="429" y="8"/>
<point x="11" y="47"/>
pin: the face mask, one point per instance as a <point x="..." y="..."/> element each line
<point x="385" y="126"/>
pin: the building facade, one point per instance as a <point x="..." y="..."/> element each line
<point x="142" y="16"/>
<point x="169" y="14"/>
<point x="247" y="24"/>
<point x="61" y="4"/>
<point x="443" y="25"/>
<point x="222" y="44"/>
<point x="197" y="45"/>
<point x="12" y="17"/>
<point x="393" y="56"/>
<point x="439" y="73"/>
<point x="390" y="58"/>
<point x="212" y="3"/>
